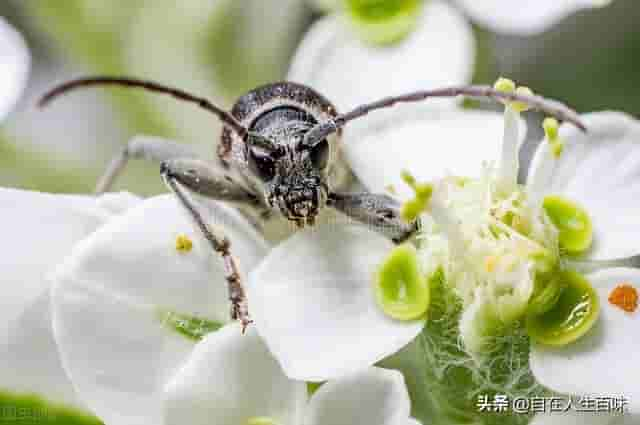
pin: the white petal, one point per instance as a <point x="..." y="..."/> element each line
<point x="572" y="417"/>
<point x="603" y="362"/>
<point x="374" y="397"/>
<point x="29" y="363"/>
<point x="525" y="18"/>
<point x="230" y="378"/>
<point x="136" y="256"/>
<point x="335" y="62"/>
<point x="312" y="302"/>
<point x="110" y="294"/>
<point x="429" y="145"/>
<point x="39" y="230"/>
<point x="118" y="353"/>
<point x="599" y="170"/>
<point x="14" y="66"/>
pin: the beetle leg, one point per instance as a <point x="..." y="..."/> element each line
<point x="378" y="211"/>
<point x="216" y="238"/>
<point x="147" y="148"/>
<point x="207" y="179"/>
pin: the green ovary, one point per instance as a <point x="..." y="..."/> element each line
<point x="573" y="313"/>
<point x="383" y="21"/>
<point x="573" y="224"/>
<point x="400" y="289"/>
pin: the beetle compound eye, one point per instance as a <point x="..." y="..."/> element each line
<point x="320" y="154"/>
<point x="262" y="165"/>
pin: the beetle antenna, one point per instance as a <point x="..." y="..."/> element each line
<point x="223" y="115"/>
<point x="548" y="106"/>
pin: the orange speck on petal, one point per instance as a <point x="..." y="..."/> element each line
<point x="625" y="296"/>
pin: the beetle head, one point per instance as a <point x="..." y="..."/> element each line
<point x="294" y="177"/>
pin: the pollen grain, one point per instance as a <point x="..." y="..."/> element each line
<point x="183" y="244"/>
<point x="625" y="296"/>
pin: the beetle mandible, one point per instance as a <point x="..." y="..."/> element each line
<point x="279" y="152"/>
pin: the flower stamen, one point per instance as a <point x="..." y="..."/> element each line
<point x="550" y="126"/>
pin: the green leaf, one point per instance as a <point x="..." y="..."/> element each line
<point x="194" y="328"/>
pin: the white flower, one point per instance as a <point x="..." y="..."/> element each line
<point x="524" y="18"/>
<point x="232" y="379"/>
<point x="599" y="171"/>
<point x="334" y="61"/>
<point x="117" y="297"/>
<point x="122" y="300"/>
<point x="38" y="231"/>
<point x="14" y="67"/>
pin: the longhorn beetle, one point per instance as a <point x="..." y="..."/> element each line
<point x="279" y="151"/>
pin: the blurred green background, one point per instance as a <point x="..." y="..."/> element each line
<point x="222" y="48"/>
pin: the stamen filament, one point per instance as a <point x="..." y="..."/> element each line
<point x="590" y="266"/>
<point x="509" y="163"/>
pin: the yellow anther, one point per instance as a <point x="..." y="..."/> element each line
<point x="550" y="126"/>
<point x="391" y="189"/>
<point x="423" y="191"/>
<point x="557" y="149"/>
<point x="183" y="244"/>
<point x="509" y="86"/>
<point x="505" y="84"/>
<point x="490" y="263"/>
<point x="521" y="106"/>
<point x="408" y="178"/>
<point x="416" y="206"/>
